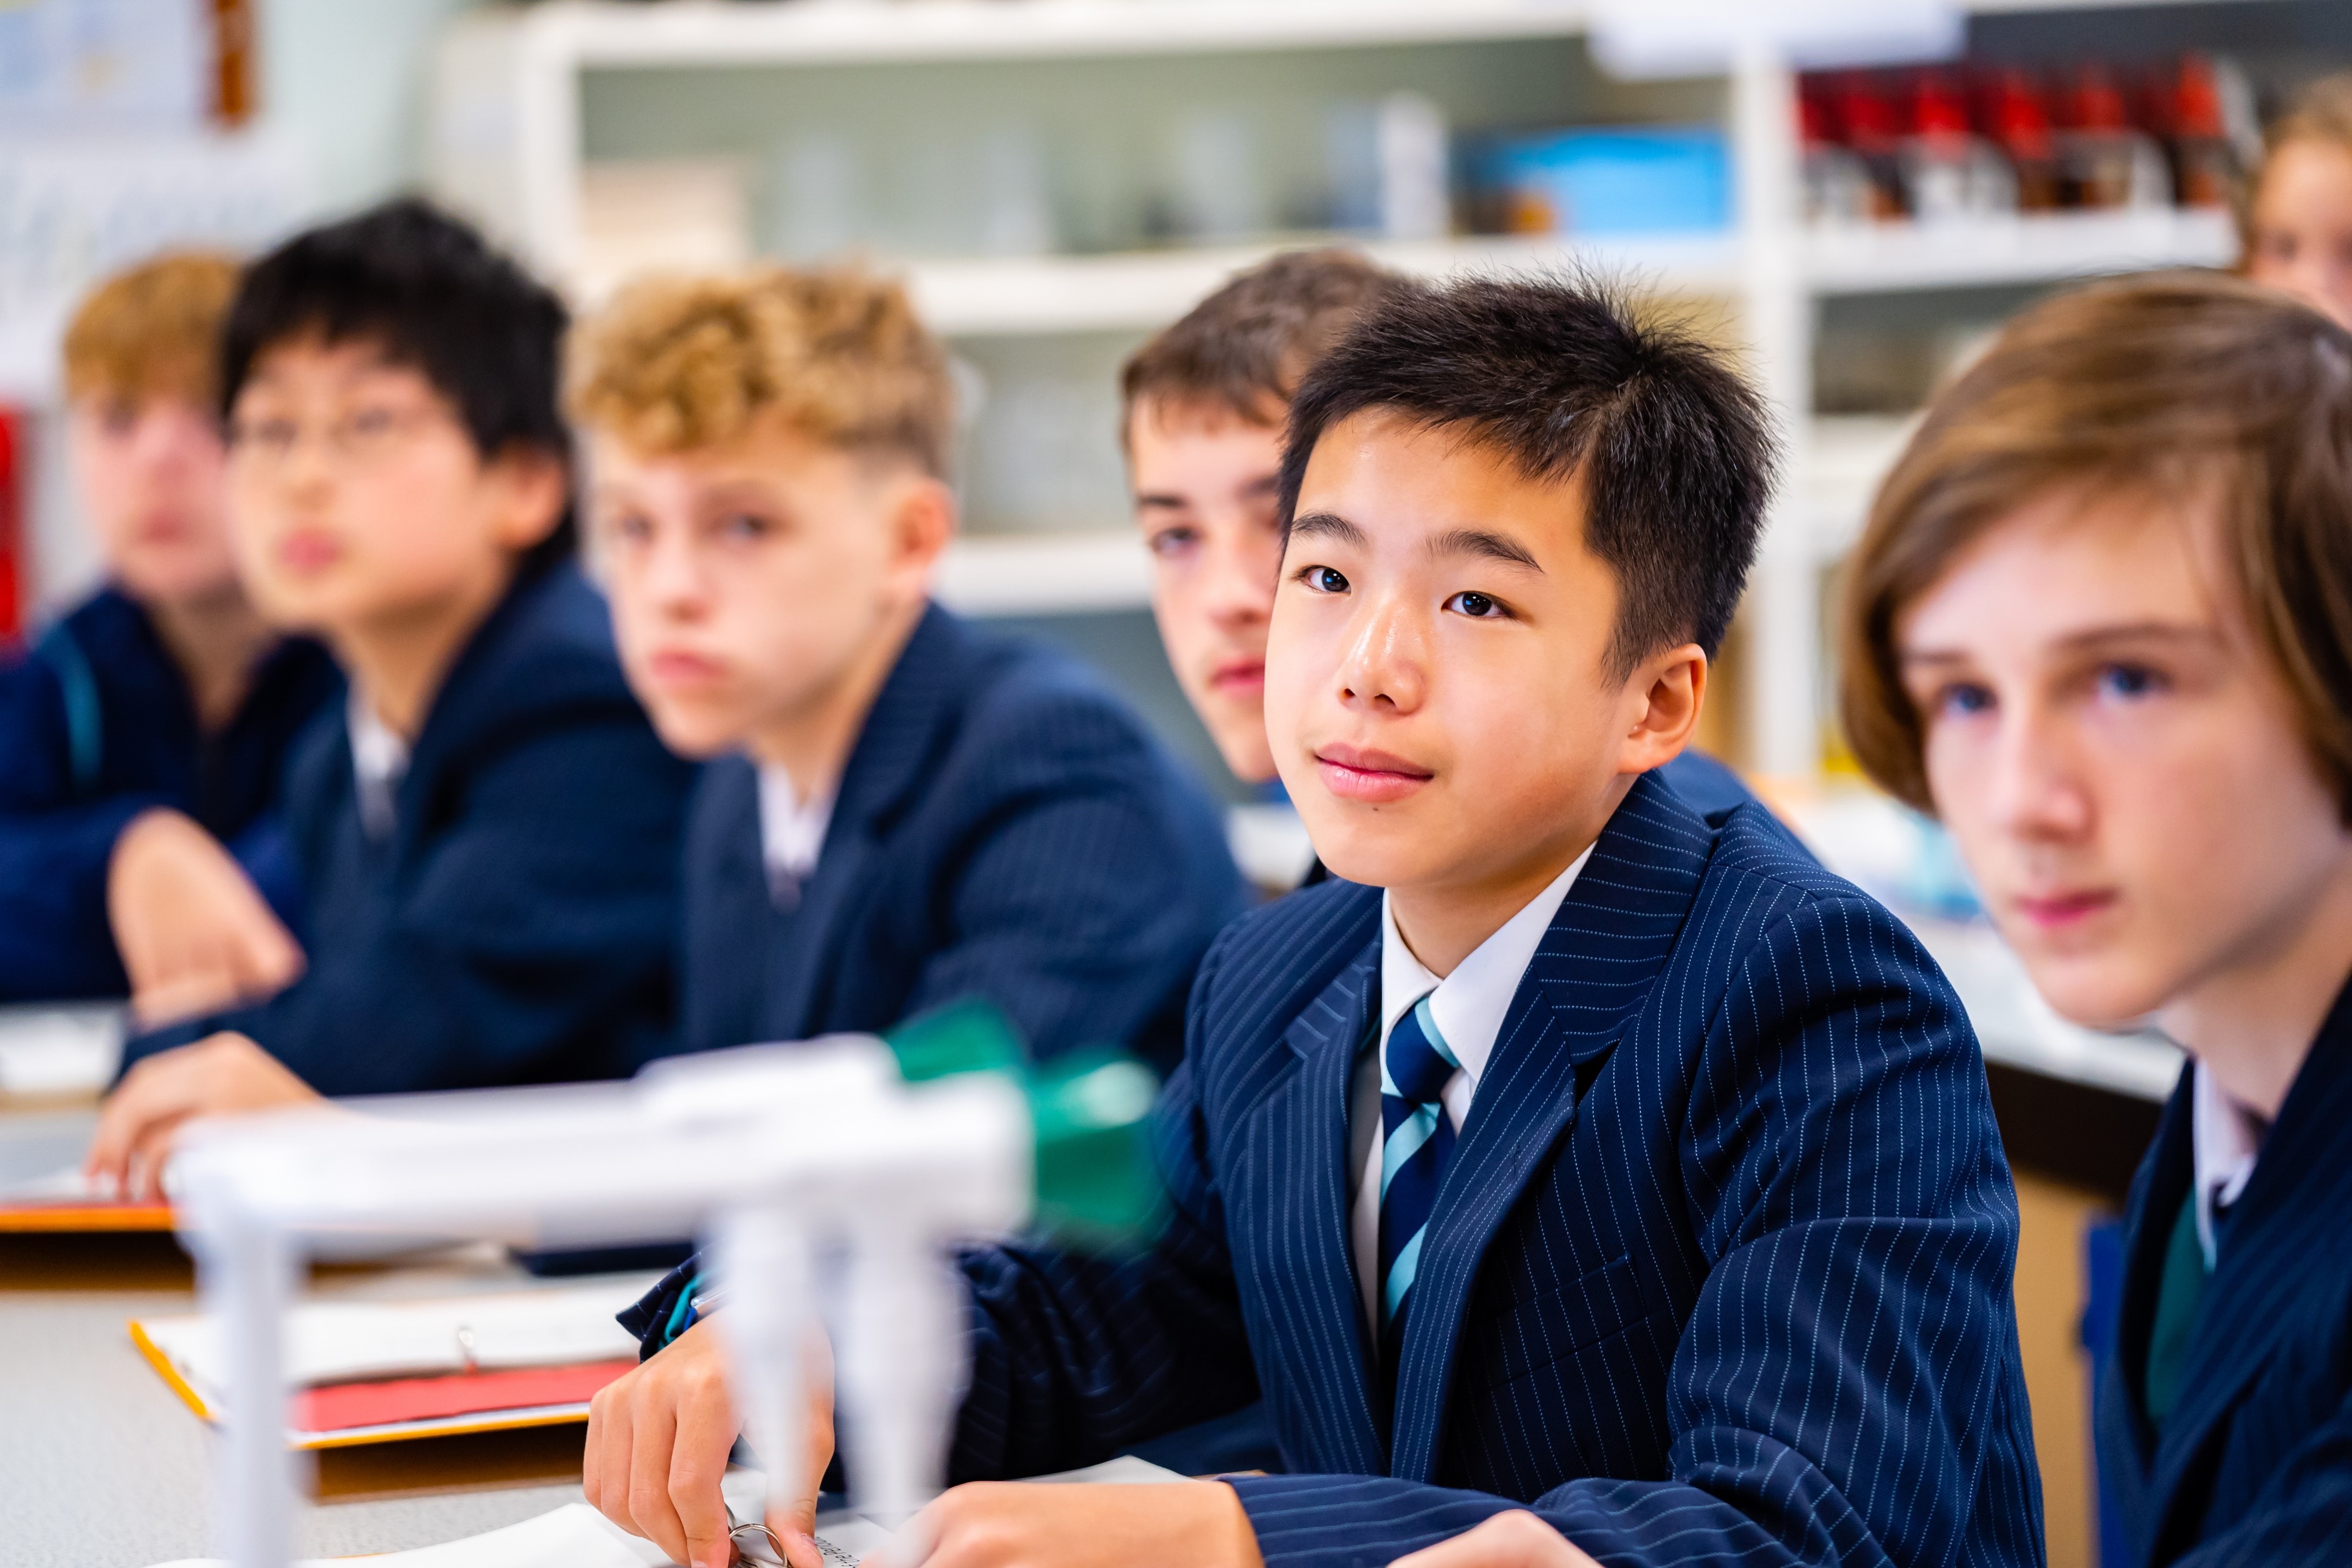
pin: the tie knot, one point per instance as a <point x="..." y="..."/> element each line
<point x="1418" y="1062"/>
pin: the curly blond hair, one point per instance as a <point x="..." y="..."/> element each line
<point x="153" y="331"/>
<point x="676" y="363"/>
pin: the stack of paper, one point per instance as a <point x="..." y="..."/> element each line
<point x="369" y="1372"/>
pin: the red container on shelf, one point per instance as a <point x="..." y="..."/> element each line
<point x="12" y="524"/>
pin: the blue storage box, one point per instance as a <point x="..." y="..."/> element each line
<point x="1646" y="179"/>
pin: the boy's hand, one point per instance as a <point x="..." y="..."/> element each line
<point x="657" y="1445"/>
<point x="1022" y="1524"/>
<point x="195" y="933"/>
<point x="143" y="1116"/>
<point x="1514" y="1539"/>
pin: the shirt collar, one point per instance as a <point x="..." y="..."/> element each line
<point x="379" y="762"/>
<point x="2227" y="1138"/>
<point x="791" y="830"/>
<point x="1469" y="1003"/>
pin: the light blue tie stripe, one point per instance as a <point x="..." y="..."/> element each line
<point x="1405" y="1141"/>
<point x="1401" y="1274"/>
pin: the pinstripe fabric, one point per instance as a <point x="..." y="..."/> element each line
<point x="2254" y="1464"/>
<point x="1004" y="827"/>
<point x="1719" y="1270"/>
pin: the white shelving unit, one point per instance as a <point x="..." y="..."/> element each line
<point x="508" y="145"/>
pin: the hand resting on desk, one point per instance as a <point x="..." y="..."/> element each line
<point x="657" y="1445"/>
<point x="142" y="1117"/>
<point x="1514" y="1539"/>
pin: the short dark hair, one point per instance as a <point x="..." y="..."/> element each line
<point x="1674" y="450"/>
<point x="2154" y="385"/>
<point x="428" y="290"/>
<point x="1242" y="350"/>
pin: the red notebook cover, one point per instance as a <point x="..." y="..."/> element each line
<point x="340" y="1406"/>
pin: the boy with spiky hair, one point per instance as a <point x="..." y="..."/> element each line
<point x="1574" y="1154"/>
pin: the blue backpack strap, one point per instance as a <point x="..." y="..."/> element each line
<point x="85" y="721"/>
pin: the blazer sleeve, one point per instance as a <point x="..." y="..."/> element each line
<point x="535" y="929"/>
<point x="55" y="939"/>
<point x="1075" y="1355"/>
<point x="2303" y="1518"/>
<point x="1090" y="883"/>
<point x="1845" y="1375"/>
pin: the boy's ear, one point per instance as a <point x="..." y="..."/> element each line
<point x="923" y="514"/>
<point x="536" y="486"/>
<point x="1663" y="697"/>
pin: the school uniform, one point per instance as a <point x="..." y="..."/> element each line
<point x="96" y="725"/>
<point x="497" y="902"/>
<point x="1710" y="1262"/>
<point x="2225" y="1416"/>
<point x="1003" y="828"/>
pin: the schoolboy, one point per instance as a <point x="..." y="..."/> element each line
<point x="489" y="831"/>
<point x="905" y="808"/>
<point x="1201" y="412"/>
<point x="144" y="733"/>
<point x="1570" y="1153"/>
<point x="2099" y="625"/>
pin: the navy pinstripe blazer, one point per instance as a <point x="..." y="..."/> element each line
<point x="2254" y="1464"/>
<point x="1004" y="827"/>
<point x="1719" y="1271"/>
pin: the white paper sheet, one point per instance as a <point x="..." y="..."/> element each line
<point x="348" y="1341"/>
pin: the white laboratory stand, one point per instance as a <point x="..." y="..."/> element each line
<point x="797" y="1163"/>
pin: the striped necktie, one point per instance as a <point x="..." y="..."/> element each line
<point x="1416" y="1141"/>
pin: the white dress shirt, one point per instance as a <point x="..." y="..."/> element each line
<point x="379" y="762"/>
<point x="1469" y="1006"/>
<point x="791" y="834"/>
<point x="2226" y="1138"/>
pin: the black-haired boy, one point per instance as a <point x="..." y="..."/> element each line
<point x="1573" y="1153"/>
<point x="488" y="836"/>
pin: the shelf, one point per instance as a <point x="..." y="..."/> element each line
<point x="2034" y="248"/>
<point x="1141" y="291"/>
<point x="1045" y="574"/>
<point x="706" y="33"/>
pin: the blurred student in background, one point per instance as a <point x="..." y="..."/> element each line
<point x="906" y="809"/>
<point x="1202" y="411"/>
<point x="2101" y="622"/>
<point x="2298" y="229"/>
<point x="489" y="831"/>
<point x="143" y="734"/>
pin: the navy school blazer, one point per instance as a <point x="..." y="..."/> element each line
<point x="1720" y="1270"/>
<point x="2255" y="1463"/>
<point x="517" y="926"/>
<point x="1004" y="827"/>
<point x="96" y="725"/>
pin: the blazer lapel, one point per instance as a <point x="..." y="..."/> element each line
<point x="2292" y="1207"/>
<point x="1300" y="1144"/>
<point x="1587" y="982"/>
<point x="912" y="718"/>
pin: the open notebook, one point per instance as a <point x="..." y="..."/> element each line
<point x="376" y="1372"/>
<point x="67" y="1200"/>
<point x="579" y="1537"/>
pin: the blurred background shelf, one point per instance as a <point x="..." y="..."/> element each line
<point x="2029" y="248"/>
<point x="1046" y="574"/>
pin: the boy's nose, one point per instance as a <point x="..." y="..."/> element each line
<point x="1384" y="666"/>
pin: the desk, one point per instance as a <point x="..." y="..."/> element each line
<point x="102" y="1466"/>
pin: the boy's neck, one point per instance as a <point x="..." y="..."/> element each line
<point x="2253" y="1025"/>
<point x="813" y="743"/>
<point x="1444" y="924"/>
<point x="398" y="660"/>
<point x="215" y="640"/>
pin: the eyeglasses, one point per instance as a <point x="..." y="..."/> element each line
<point x="358" y="437"/>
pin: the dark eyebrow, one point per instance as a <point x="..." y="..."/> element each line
<point x="2090" y="640"/>
<point x="1157" y="498"/>
<point x="1481" y="542"/>
<point x="1330" y="526"/>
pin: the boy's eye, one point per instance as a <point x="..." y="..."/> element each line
<point x="270" y="434"/>
<point x="1170" y="540"/>
<point x="1323" y="580"/>
<point x="1477" y="606"/>
<point x="743" y="526"/>
<point x="1962" y="698"/>
<point x="2128" y="682"/>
